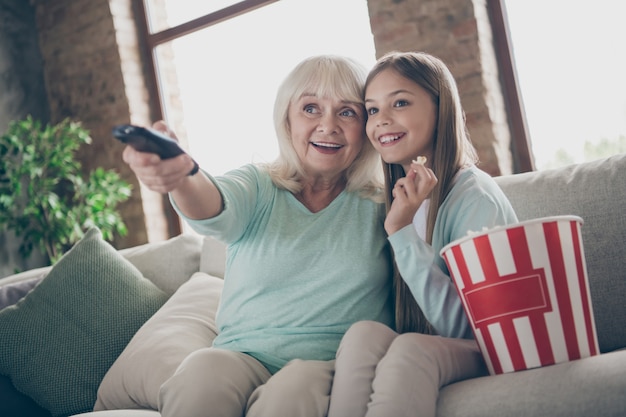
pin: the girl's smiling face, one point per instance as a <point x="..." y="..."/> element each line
<point x="402" y="118"/>
<point x="327" y="134"/>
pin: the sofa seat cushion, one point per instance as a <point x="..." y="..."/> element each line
<point x="57" y="342"/>
<point x="121" y="413"/>
<point x="592" y="386"/>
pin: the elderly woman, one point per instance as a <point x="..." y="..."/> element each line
<point x="307" y="251"/>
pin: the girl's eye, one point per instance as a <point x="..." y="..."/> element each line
<point x="371" y="111"/>
<point x="400" y="103"/>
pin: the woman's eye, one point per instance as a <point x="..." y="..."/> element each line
<point x="310" y="108"/>
<point x="348" y="113"/>
<point x="400" y="103"/>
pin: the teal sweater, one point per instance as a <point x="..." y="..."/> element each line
<point x="295" y="280"/>
<point x="475" y="202"/>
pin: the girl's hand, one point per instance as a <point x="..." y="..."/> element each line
<point x="159" y="175"/>
<point x="408" y="195"/>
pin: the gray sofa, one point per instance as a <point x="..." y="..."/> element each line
<point x="190" y="266"/>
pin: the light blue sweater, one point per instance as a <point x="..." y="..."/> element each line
<point x="475" y="202"/>
<point x="295" y="280"/>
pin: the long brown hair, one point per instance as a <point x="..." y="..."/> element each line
<point x="452" y="149"/>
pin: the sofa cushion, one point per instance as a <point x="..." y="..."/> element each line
<point x="121" y="413"/>
<point x="592" y="386"/>
<point x="184" y="324"/>
<point x="12" y="293"/>
<point x="168" y="263"/>
<point x="58" y="341"/>
<point x="213" y="257"/>
<point x="595" y="191"/>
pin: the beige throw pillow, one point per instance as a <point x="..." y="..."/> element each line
<point x="184" y="324"/>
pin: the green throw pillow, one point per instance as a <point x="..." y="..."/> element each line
<point x="57" y="343"/>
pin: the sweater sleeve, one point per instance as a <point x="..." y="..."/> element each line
<point x="475" y="203"/>
<point x="240" y="190"/>
<point x="430" y="285"/>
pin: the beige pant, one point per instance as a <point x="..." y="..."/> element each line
<point x="380" y="373"/>
<point x="220" y="383"/>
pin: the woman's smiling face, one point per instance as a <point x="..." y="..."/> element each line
<point x="402" y="118"/>
<point x="327" y="134"/>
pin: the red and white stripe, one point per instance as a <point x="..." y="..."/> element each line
<point x="526" y="293"/>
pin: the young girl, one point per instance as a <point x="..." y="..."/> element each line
<point x="435" y="195"/>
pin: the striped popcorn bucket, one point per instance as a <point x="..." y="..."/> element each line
<point x="525" y="290"/>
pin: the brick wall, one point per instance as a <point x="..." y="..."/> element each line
<point x="94" y="73"/>
<point x="22" y="92"/>
<point x="142" y="107"/>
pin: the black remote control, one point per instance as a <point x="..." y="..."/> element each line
<point x="150" y="140"/>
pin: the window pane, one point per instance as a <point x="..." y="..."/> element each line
<point x="571" y="60"/>
<point x="228" y="74"/>
<point x="181" y="11"/>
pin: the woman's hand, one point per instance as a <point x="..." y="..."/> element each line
<point x="159" y="175"/>
<point x="196" y="196"/>
<point x="408" y="195"/>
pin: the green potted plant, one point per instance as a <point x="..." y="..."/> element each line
<point x="45" y="199"/>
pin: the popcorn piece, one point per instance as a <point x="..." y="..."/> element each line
<point x="420" y="160"/>
<point x="472" y="233"/>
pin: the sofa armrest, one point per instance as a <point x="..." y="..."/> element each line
<point x="26" y="275"/>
